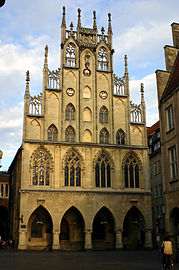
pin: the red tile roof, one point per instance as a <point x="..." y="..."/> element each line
<point x="153" y="128"/>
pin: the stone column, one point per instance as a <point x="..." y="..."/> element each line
<point x="22" y="240"/>
<point x="88" y="240"/>
<point x="119" y="244"/>
<point x="56" y="244"/>
<point x="148" y="239"/>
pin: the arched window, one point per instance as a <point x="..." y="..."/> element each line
<point x="103" y="115"/>
<point x="70" y="134"/>
<point x="131" y="172"/>
<point x="102" y="59"/>
<point x="72" y="170"/>
<point x="70" y="55"/>
<point x="103" y="171"/>
<point x="70" y="112"/>
<point x="120" y="137"/>
<point x="104" y="136"/>
<point x="52" y="133"/>
<point x="41" y="168"/>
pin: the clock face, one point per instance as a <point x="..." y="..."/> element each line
<point x="70" y="92"/>
<point x="103" y="94"/>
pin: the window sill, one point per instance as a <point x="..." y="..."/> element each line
<point x="170" y="130"/>
<point x="173" y="181"/>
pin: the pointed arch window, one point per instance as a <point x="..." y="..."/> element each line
<point x="102" y="59"/>
<point x="70" y="112"/>
<point x="104" y="136"/>
<point x="70" y="55"/>
<point x="41" y="168"/>
<point x="103" y="171"/>
<point x="70" y="134"/>
<point x="72" y="170"/>
<point x="52" y="133"/>
<point x="103" y="115"/>
<point x="131" y="172"/>
<point x="120" y="137"/>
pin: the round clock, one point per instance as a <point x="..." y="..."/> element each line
<point x="70" y="92"/>
<point x="103" y="94"/>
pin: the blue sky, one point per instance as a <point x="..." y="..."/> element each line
<point x="141" y="28"/>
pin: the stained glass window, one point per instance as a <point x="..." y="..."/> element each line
<point x="41" y="168"/>
<point x="120" y="137"/>
<point x="131" y="173"/>
<point x="52" y="133"/>
<point x="70" y="134"/>
<point x="103" y="171"/>
<point x="70" y="112"/>
<point x="104" y="136"/>
<point x="103" y="115"/>
<point x="72" y="170"/>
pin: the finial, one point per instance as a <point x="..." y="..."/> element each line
<point x="79" y="18"/>
<point x="142" y="92"/>
<point x="126" y="68"/>
<point x="109" y="23"/>
<point x="71" y="28"/>
<point x="27" y="76"/>
<point x="102" y="31"/>
<point x="46" y="58"/>
<point x="94" y="20"/>
<point x="27" y="84"/>
<point x="63" y="18"/>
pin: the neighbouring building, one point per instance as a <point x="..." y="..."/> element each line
<point x="168" y="100"/>
<point x="81" y="178"/>
<point x="4" y="202"/>
<point x="158" y="206"/>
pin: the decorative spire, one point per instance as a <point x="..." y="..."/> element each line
<point x="46" y="58"/>
<point x="79" y="18"/>
<point x="126" y="68"/>
<point x="109" y="23"/>
<point x="63" y="19"/>
<point x="102" y="31"/>
<point x="94" y="20"/>
<point x="27" y="84"/>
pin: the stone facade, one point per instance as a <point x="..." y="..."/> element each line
<point x="81" y="178"/>
<point x="168" y="99"/>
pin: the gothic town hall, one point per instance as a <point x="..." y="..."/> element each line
<point x="80" y="180"/>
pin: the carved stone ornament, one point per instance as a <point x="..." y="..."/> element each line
<point x="103" y="94"/>
<point x="70" y="92"/>
<point x="86" y="72"/>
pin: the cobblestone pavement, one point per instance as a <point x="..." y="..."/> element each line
<point x="87" y="260"/>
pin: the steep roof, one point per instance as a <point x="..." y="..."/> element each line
<point x="173" y="81"/>
<point x="153" y="128"/>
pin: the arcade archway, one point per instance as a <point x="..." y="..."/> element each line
<point x="133" y="230"/>
<point x="103" y="236"/>
<point x="39" y="235"/>
<point x="72" y="235"/>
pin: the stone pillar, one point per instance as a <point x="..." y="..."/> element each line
<point x="148" y="239"/>
<point x="56" y="244"/>
<point x="22" y="240"/>
<point x="88" y="240"/>
<point x="119" y="244"/>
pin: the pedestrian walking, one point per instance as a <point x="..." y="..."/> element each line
<point x="166" y="249"/>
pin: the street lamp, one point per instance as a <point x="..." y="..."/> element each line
<point x="2" y="2"/>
